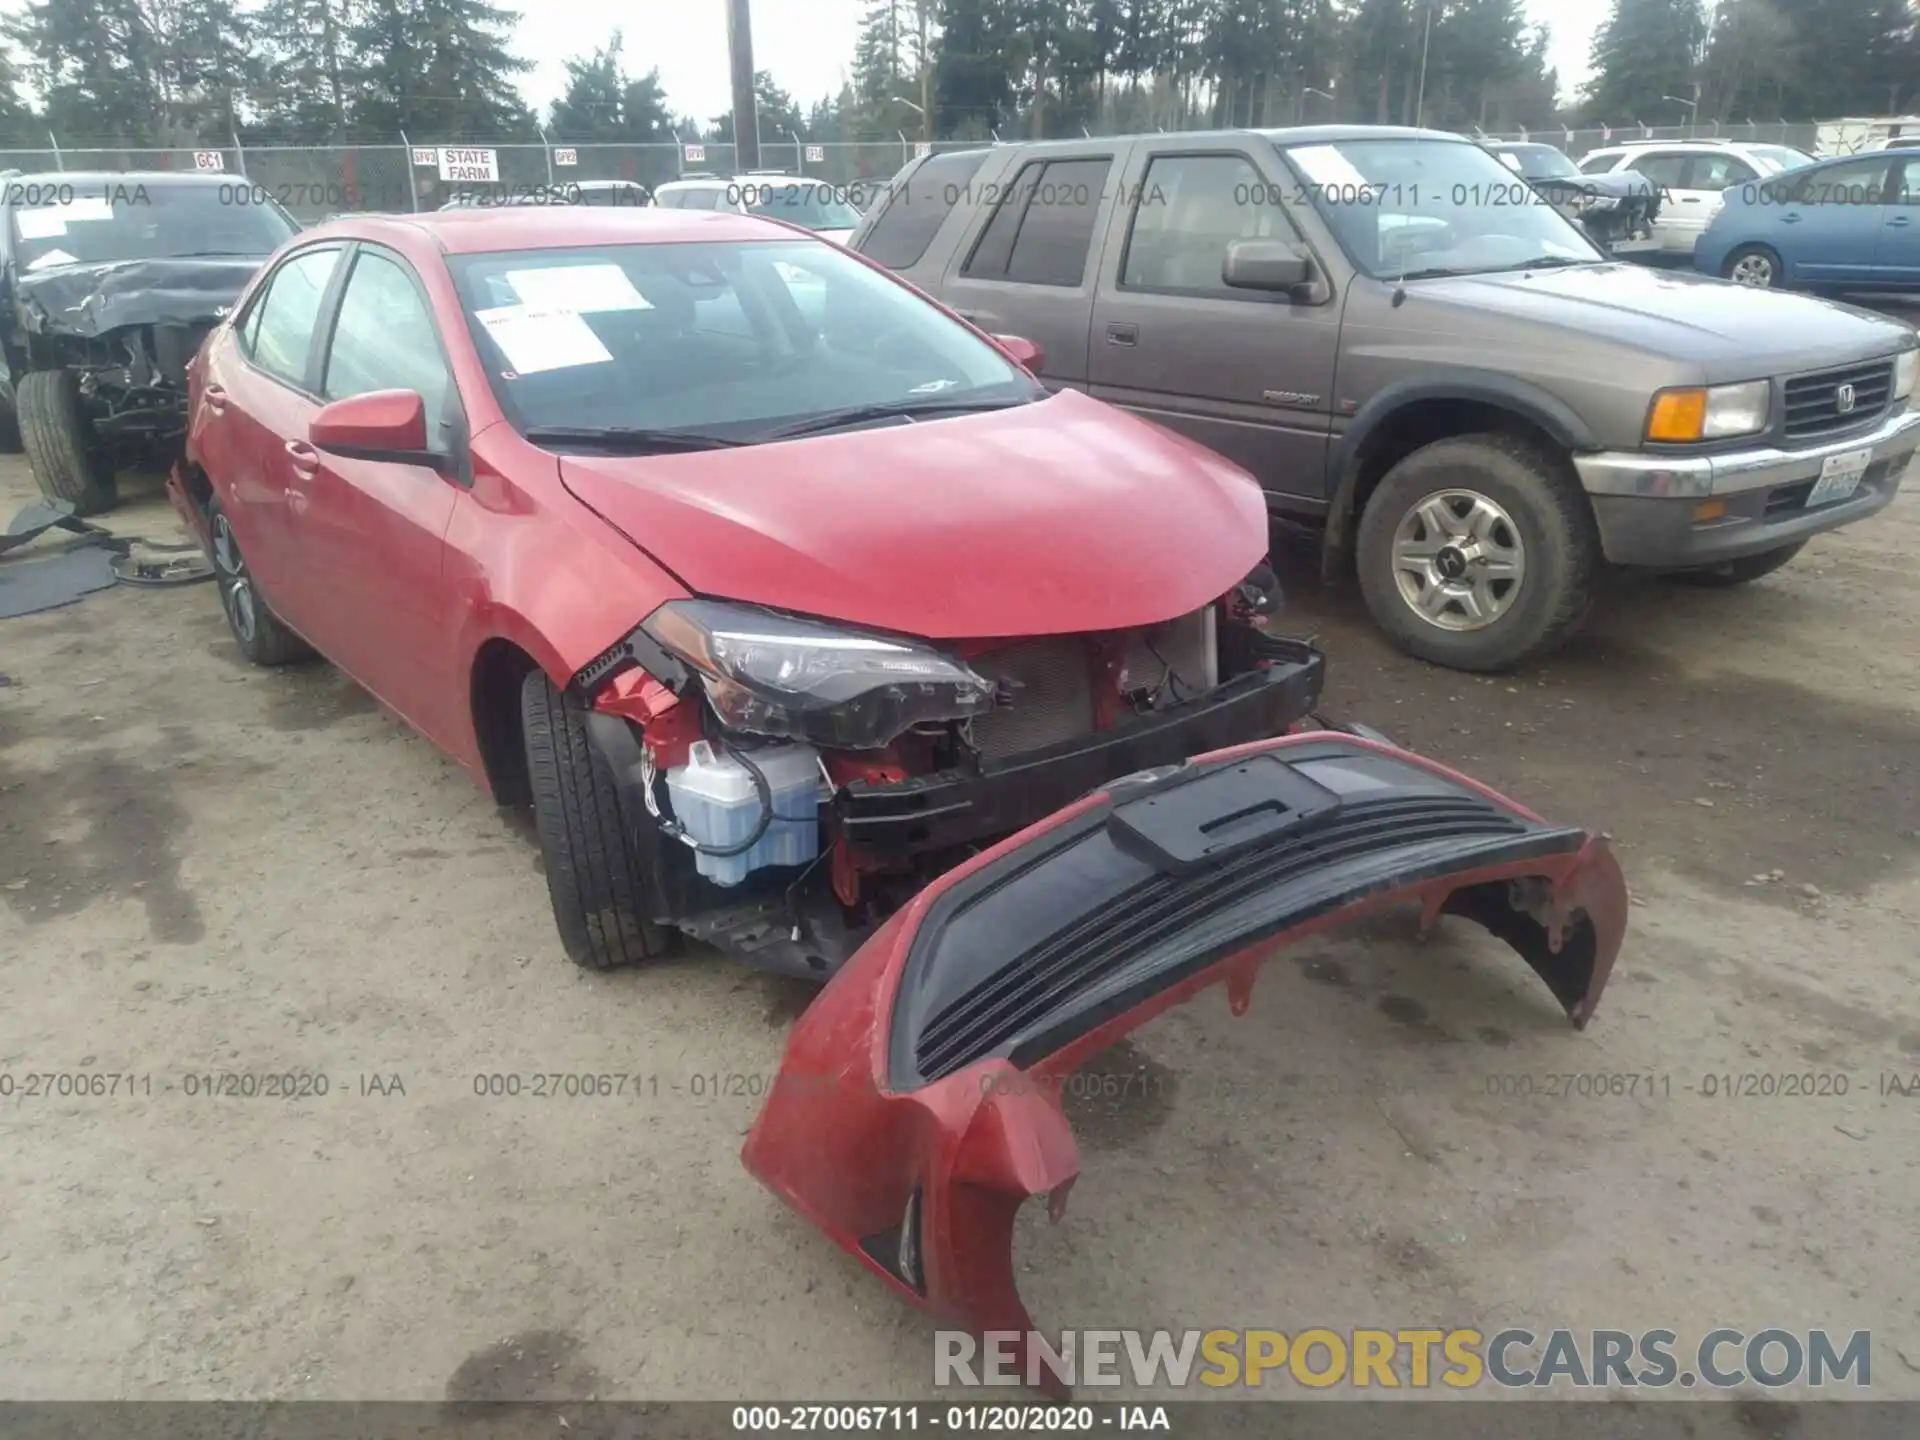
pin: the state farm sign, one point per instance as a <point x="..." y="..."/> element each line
<point x="456" y="164"/>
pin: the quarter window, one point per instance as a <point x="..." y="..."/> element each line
<point x="280" y="333"/>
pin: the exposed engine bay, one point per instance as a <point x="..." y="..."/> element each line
<point x="794" y="782"/>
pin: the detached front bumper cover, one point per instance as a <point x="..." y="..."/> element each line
<point x="918" y="1107"/>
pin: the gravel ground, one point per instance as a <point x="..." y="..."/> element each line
<point x="207" y="868"/>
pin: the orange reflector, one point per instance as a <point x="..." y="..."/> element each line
<point x="1711" y="510"/>
<point x="1678" y="415"/>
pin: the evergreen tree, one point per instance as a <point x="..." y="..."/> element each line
<point x="308" y="88"/>
<point x="590" y="109"/>
<point x="1647" y="50"/>
<point x="440" y="68"/>
<point x="95" y="64"/>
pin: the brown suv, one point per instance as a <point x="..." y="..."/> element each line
<point x="1413" y="349"/>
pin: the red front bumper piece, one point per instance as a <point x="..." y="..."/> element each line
<point x="918" y="1106"/>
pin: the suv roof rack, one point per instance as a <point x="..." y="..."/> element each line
<point x="1689" y="140"/>
<point x="697" y="175"/>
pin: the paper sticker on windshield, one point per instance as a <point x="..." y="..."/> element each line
<point x="39" y="224"/>
<point x="534" y="340"/>
<point x="1510" y="160"/>
<point x="581" y="288"/>
<point x="52" y="257"/>
<point x="86" y="207"/>
<point x="1324" y="165"/>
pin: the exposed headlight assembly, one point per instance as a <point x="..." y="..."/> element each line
<point x="1906" y="368"/>
<point x="800" y="679"/>
<point x="1600" y="202"/>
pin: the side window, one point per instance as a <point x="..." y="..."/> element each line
<point x="1667" y="170"/>
<point x="1043" y="231"/>
<point x="671" y="200"/>
<point x="1905" y="188"/>
<point x="1189" y="209"/>
<point x="1717" y="172"/>
<point x="279" y="334"/>
<point x="386" y="339"/>
<point x="1598" y="164"/>
<point x="1860" y="182"/>
<point x="700" y="199"/>
<point x="899" y="238"/>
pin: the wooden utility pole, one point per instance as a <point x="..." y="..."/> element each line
<point x="746" y="122"/>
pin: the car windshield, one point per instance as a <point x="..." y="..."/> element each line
<point x="728" y="339"/>
<point x="1781" y="157"/>
<point x="60" y="223"/>
<point x="1536" y="160"/>
<point x="1411" y="207"/>
<point x="808" y="203"/>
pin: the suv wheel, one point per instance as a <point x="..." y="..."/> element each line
<point x="1739" y="572"/>
<point x="1478" y="553"/>
<point x="59" y="442"/>
<point x="1754" y="265"/>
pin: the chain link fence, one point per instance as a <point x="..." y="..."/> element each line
<point x="316" y="181"/>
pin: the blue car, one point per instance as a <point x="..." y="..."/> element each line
<point x="1846" y="224"/>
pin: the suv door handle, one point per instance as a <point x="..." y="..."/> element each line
<point x="306" y="459"/>
<point x="216" y="399"/>
<point x="1123" y="334"/>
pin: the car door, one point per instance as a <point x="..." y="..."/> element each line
<point x="1246" y="373"/>
<point x="1028" y="266"/>
<point x="372" y="532"/>
<point x="258" y="396"/>
<point x="1829" y="228"/>
<point x="1897" y="257"/>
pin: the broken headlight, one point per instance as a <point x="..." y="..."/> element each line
<point x="811" y="680"/>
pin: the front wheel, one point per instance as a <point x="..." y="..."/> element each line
<point x="1729" y="573"/>
<point x="59" y="442"/>
<point x="1756" y="266"/>
<point x="594" y="874"/>
<point x="1479" y="553"/>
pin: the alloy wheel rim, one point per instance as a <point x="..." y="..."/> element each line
<point x="1458" y="560"/>
<point x="236" y="586"/>
<point x="1753" y="270"/>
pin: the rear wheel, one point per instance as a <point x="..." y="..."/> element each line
<point x="1478" y="553"/>
<point x="594" y="874"/>
<point x="261" y="636"/>
<point x="1755" y="265"/>
<point x="60" y="444"/>
<point x="1729" y="573"/>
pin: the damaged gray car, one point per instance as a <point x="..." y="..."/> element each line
<point x="108" y="283"/>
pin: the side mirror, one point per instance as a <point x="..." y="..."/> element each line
<point x="1029" y="355"/>
<point x="388" y="425"/>
<point x="1265" y="265"/>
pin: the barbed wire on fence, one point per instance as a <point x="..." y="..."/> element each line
<point x="314" y="181"/>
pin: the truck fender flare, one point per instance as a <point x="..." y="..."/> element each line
<point x="1505" y="392"/>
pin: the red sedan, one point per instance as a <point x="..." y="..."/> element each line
<point x="809" y="623"/>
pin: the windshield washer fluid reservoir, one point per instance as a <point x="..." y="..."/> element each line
<point x="714" y="798"/>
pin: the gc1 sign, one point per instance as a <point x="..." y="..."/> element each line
<point x="482" y="165"/>
<point x="209" y="160"/>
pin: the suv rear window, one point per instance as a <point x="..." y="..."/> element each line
<point x="1043" y="230"/>
<point x="914" y="212"/>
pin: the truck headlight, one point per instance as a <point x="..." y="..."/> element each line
<point x="1906" y="366"/>
<point x="800" y="679"/>
<point x="1717" y="412"/>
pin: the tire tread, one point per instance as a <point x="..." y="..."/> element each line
<point x="52" y="432"/>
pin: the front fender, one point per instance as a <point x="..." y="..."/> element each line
<point x="918" y="1104"/>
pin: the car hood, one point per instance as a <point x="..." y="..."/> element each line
<point x="94" y="299"/>
<point x="838" y="237"/>
<point x="1733" y="331"/>
<point x="919" y="1102"/>
<point x="1058" y="517"/>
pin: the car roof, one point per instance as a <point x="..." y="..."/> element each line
<point x="473" y="231"/>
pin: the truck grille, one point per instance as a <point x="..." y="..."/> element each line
<point x="1814" y="402"/>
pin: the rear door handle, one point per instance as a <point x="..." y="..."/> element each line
<point x="1899" y="220"/>
<point x="216" y="399"/>
<point x="1793" y="219"/>
<point x="1123" y="334"/>
<point x="306" y="459"/>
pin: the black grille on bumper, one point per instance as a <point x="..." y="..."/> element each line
<point x="1814" y="401"/>
<point x="1094" y="944"/>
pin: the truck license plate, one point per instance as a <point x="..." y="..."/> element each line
<point x="1839" y="477"/>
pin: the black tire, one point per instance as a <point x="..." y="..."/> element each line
<point x="594" y="875"/>
<point x="1758" y="261"/>
<point x="10" y="441"/>
<point x="1729" y="573"/>
<point x="261" y="635"/>
<point x="59" y="442"/>
<point x="1557" y="541"/>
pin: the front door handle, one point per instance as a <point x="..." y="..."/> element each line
<point x="1123" y="334"/>
<point x="216" y="399"/>
<point x="1899" y="220"/>
<point x="1792" y="219"/>
<point x="306" y="459"/>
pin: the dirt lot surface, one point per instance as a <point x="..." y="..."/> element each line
<point x="207" y="868"/>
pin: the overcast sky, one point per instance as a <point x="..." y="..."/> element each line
<point x="808" y="44"/>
